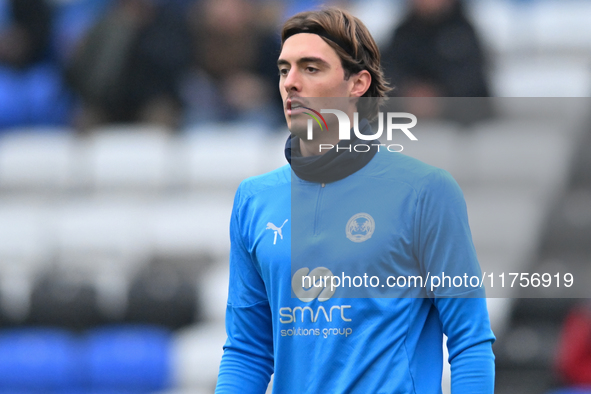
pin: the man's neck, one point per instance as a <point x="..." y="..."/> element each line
<point x="312" y="148"/>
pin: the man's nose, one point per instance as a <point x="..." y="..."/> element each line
<point x="292" y="81"/>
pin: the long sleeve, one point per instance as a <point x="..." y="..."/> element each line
<point x="465" y="322"/>
<point x="445" y="247"/>
<point x="247" y="363"/>
<point x="473" y="370"/>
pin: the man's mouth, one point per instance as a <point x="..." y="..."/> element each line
<point x="294" y="107"/>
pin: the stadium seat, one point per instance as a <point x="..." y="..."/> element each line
<point x="561" y="26"/>
<point x="25" y="239"/>
<point x="133" y="157"/>
<point x="64" y="299"/>
<point x="163" y="294"/>
<point x="37" y="360"/>
<point x="91" y="232"/>
<point x="213" y="292"/>
<point x="197" y="354"/>
<point x="191" y="224"/>
<point x="496" y="22"/>
<point x="542" y="76"/>
<point x="33" y="95"/>
<point x="272" y="151"/>
<point x="128" y="358"/>
<point x="25" y="248"/>
<point x="221" y="159"/>
<point x="105" y="240"/>
<point x="37" y="159"/>
<point x="380" y="17"/>
<point x="15" y="297"/>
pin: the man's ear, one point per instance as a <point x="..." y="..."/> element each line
<point x="361" y="82"/>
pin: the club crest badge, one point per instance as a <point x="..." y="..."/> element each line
<point x="360" y="227"/>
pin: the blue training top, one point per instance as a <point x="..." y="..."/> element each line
<point x="394" y="217"/>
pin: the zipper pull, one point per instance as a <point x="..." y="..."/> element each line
<point x="323" y="184"/>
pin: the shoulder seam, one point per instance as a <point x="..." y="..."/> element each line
<point x="247" y="196"/>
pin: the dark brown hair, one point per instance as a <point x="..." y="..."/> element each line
<point x="356" y="48"/>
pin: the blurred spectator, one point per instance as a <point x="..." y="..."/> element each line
<point x="435" y="52"/>
<point x="128" y="67"/>
<point x="72" y="20"/>
<point x="25" y="38"/>
<point x="573" y="360"/>
<point x="31" y="90"/>
<point x="234" y="73"/>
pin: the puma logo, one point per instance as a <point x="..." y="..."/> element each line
<point x="276" y="230"/>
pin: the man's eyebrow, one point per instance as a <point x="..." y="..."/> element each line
<point x="309" y="59"/>
<point x="317" y="60"/>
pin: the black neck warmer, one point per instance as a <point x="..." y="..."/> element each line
<point x="335" y="164"/>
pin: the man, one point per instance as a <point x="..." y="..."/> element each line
<point x="436" y="52"/>
<point x="337" y="211"/>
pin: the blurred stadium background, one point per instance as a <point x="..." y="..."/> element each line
<point x="114" y="234"/>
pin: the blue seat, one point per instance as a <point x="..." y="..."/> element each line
<point x="38" y="360"/>
<point x="33" y="96"/>
<point x="128" y="358"/>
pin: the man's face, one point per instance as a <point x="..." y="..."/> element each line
<point x="309" y="67"/>
<point x="432" y="8"/>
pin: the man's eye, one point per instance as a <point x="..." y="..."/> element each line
<point x="283" y="71"/>
<point x="311" y="69"/>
